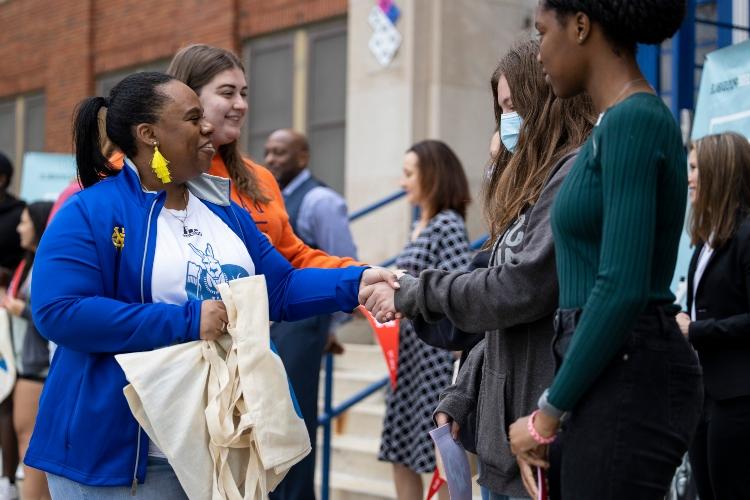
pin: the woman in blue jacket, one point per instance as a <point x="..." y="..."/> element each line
<point x="132" y="264"/>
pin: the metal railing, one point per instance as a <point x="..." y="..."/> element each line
<point x="330" y="412"/>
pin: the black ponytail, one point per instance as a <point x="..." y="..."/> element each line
<point x="92" y="165"/>
<point x="136" y="99"/>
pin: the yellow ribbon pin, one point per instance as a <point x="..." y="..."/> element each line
<point x="118" y="237"/>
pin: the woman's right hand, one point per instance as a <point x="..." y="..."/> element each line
<point x="442" y="418"/>
<point x="13" y="305"/>
<point x="213" y="319"/>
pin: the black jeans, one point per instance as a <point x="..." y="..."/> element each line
<point x="628" y="433"/>
<point x="719" y="453"/>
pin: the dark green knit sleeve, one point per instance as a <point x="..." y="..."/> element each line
<point x="628" y="149"/>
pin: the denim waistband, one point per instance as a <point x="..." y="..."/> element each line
<point x="660" y="316"/>
<point x="656" y="324"/>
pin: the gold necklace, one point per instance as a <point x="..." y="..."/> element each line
<point x="617" y="99"/>
<point x="625" y="89"/>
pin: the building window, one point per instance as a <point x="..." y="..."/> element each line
<point x="270" y="67"/>
<point x="326" y="118"/>
<point x="21" y="129"/>
<point x="8" y="128"/>
<point x="297" y="80"/>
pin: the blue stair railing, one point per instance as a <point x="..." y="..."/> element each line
<point x="330" y="412"/>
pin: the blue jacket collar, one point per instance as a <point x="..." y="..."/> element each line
<point x="205" y="187"/>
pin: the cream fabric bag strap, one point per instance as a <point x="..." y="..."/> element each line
<point x="221" y="411"/>
<point x="167" y="396"/>
<point x="279" y="435"/>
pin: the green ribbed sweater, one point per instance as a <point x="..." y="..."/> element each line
<point x="617" y="221"/>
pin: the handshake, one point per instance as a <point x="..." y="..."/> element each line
<point x="377" y="292"/>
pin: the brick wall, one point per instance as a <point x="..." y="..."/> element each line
<point x="60" y="47"/>
<point x="129" y="32"/>
<point x="263" y="16"/>
<point x="47" y="49"/>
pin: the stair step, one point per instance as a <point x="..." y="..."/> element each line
<point x="364" y="420"/>
<point x="355" y="487"/>
<point x="356" y="473"/>
<point x="347" y="383"/>
<point x="361" y="357"/>
<point x="358" y="456"/>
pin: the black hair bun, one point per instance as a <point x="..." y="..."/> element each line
<point x="630" y="21"/>
<point x="643" y="21"/>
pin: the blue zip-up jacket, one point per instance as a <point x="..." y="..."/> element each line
<point x="94" y="301"/>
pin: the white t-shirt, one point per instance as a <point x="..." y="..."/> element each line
<point x="193" y="257"/>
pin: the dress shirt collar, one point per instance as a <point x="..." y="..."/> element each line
<point x="296" y="182"/>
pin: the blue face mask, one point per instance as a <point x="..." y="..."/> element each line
<point x="510" y="127"/>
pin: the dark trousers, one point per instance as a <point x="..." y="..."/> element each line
<point x="8" y="439"/>
<point x="627" y="435"/>
<point x="300" y="346"/>
<point x="719" y="453"/>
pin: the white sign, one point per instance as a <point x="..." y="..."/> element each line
<point x="386" y="39"/>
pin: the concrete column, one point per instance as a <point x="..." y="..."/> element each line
<point x="740" y="17"/>
<point x="437" y="87"/>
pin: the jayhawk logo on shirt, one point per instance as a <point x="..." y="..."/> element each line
<point x="203" y="278"/>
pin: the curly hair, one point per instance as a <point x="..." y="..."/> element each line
<point x="628" y="22"/>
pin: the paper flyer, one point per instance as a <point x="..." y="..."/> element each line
<point x="455" y="463"/>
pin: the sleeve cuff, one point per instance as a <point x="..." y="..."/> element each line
<point x="548" y="408"/>
<point x="406" y="297"/>
<point x="696" y="331"/>
<point x="348" y="290"/>
<point x="455" y="406"/>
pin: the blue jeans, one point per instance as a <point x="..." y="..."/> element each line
<point x="161" y="484"/>
<point x="488" y="495"/>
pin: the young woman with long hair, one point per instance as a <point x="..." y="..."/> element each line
<point x="627" y="378"/>
<point x="32" y="353"/>
<point x="718" y="319"/>
<point x="218" y="77"/>
<point x="514" y="299"/>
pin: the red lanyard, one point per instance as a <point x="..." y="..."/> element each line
<point x="15" y="283"/>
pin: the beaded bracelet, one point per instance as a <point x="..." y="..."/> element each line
<point x="534" y="434"/>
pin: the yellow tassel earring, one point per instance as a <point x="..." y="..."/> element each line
<point x="160" y="165"/>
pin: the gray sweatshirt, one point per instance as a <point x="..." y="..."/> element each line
<point x="513" y="301"/>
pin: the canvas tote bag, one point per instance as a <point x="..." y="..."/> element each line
<point x="7" y="356"/>
<point x="222" y="412"/>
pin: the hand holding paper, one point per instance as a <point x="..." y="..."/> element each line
<point x="456" y="464"/>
